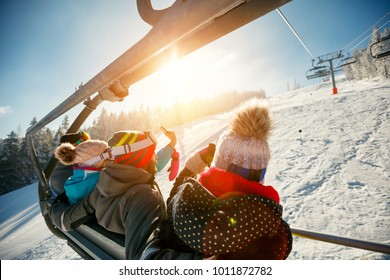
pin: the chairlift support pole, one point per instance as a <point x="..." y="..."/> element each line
<point x="334" y="89"/>
<point x="329" y="58"/>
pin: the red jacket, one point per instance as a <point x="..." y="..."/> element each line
<point x="220" y="183"/>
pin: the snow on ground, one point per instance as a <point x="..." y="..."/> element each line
<point x="334" y="175"/>
<point x="330" y="163"/>
<point x="23" y="232"/>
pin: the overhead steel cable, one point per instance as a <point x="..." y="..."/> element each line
<point x="295" y="33"/>
<point x="369" y="29"/>
<point x="368" y="36"/>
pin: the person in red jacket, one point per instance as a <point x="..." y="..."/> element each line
<point x="225" y="211"/>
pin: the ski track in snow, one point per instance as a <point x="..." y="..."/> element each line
<point x="330" y="162"/>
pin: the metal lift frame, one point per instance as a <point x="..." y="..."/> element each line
<point x="346" y="60"/>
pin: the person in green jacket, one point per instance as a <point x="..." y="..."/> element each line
<point x="126" y="200"/>
<point x="86" y="170"/>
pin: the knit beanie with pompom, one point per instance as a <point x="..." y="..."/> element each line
<point x="243" y="149"/>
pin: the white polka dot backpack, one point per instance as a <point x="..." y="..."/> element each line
<point x="232" y="227"/>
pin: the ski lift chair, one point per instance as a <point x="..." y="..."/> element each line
<point x="346" y="61"/>
<point x="317" y="72"/>
<point x="380" y="48"/>
<point x="172" y="29"/>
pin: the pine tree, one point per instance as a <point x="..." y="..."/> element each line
<point x="47" y="145"/>
<point x="28" y="174"/>
<point x="9" y="164"/>
<point x="101" y="128"/>
<point x="43" y="141"/>
<point x="62" y="129"/>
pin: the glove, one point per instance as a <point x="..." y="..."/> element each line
<point x="198" y="161"/>
<point x="174" y="169"/>
<point x="207" y="154"/>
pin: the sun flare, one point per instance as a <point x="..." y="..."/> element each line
<point x="173" y="76"/>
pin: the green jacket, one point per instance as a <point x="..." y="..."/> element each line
<point x="128" y="201"/>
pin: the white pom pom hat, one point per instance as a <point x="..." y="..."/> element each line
<point x="243" y="149"/>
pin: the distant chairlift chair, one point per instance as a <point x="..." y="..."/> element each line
<point x="317" y="72"/>
<point x="380" y="48"/>
<point x="347" y="60"/>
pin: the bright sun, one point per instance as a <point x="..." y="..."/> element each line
<point x="174" y="77"/>
<point x="197" y="75"/>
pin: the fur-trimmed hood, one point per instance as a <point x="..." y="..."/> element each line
<point x="68" y="154"/>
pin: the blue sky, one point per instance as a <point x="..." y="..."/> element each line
<point x="48" y="48"/>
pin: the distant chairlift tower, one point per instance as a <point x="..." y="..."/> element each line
<point x="329" y="58"/>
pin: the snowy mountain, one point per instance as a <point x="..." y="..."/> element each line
<point x="330" y="162"/>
